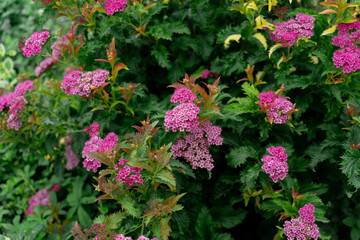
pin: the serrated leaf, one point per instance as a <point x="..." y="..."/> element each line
<point x="261" y="39"/>
<point x="114" y="219"/>
<point x="161" y="55"/>
<point x="227" y="217"/>
<point x="350" y="166"/>
<point x="239" y="155"/>
<point x="128" y="204"/>
<point x="250" y="90"/>
<point x="165" y="228"/>
<point x="166" y="177"/>
<point x="203" y="225"/>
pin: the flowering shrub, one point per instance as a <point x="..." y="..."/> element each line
<point x="183" y="116"/>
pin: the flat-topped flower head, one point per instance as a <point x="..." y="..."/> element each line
<point x="182" y="95"/>
<point x="276" y="166"/>
<point x="112" y="6"/>
<point x="304" y="226"/>
<point x="267" y="97"/>
<point x="34" y="43"/>
<point x="182" y="118"/>
<point x="287" y="32"/>
<point x="128" y="175"/>
<point x="194" y="148"/>
<point x="278" y="109"/>
<point x="79" y="83"/>
<point x="348" y="39"/>
<point x="23" y="87"/>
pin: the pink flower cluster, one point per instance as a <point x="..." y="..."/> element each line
<point x="304" y="226"/>
<point x="79" y="83"/>
<point x="33" y="44"/>
<point x="278" y="109"/>
<point x="348" y="57"/>
<point x="15" y="101"/>
<point x="206" y="73"/>
<point x="287" y="32"/>
<point x="44" y="2"/>
<point x="72" y="159"/>
<point x="276" y="165"/>
<point x="41" y="198"/>
<point x="182" y="118"/>
<point x="97" y="144"/>
<point x="57" y="50"/>
<point x="112" y="6"/>
<point x="194" y="147"/>
<point x="182" y="95"/>
<point x="127" y="174"/>
<point x="122" y="237"/>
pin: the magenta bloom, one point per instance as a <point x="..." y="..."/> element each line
<point x="278" y="109"/>
<point x="97" y="144"/>
<point x="304" y="226"/>
<point x="41" y="198"/>
<point x="23" y="87"/>
<point x="122" y="237"/>
<point x="112" y="6"/>
<point x="34" y="43"/>
<point x="127" y="174"/>
<point x="182" y="95"/>
<point x="72" y="159"/>
<point x="287" y="32"/>
<point x="182" y="118"/>
<point x="79" y="83"/>
<point x="15" y="111"/>
<point x="194" y="148"/>
<point x="276" y="165"/>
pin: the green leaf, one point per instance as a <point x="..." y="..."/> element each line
<point x="166" y="177"/>
<point x="166" y="30"/>
<point x="165" y="228"/>
<point x="83" y="216"/>
<point x="349" y="221"/>
<point x="203" y="225"/>
<point x="115" y="218"/>
<point x="128" y="204"/>
<point x="249" y="176"/>
<point x="239" y="155"/>
<point x="250" y="90"/>
<point x="161" y="55"/>
<point x="350" y="166"/>
<point x="227" y="217"/>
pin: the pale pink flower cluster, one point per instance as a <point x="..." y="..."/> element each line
<point x="304" y="226"/>
<point x="127" y="174"/>
<point x="40" y="198"/>
<point x="194" y="147"/>
<point x="72" y="159"/>
<point x="182" y="118"/>
<point x="276" y="165"/>
<point x="348" y="57"/>
<point x="287" y="32"/>
<point x="97" y="144"/>
<point x="33" y="44"/>
<point x="278" y="109"/>
<point x="182" y="95"/>
<point x="112" y="6"/>
<point x="122" y="237"/>
<point x="79" y="83"/>
<point x="15" y="101"/>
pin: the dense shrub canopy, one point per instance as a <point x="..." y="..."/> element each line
<point x="179" y="119"/>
